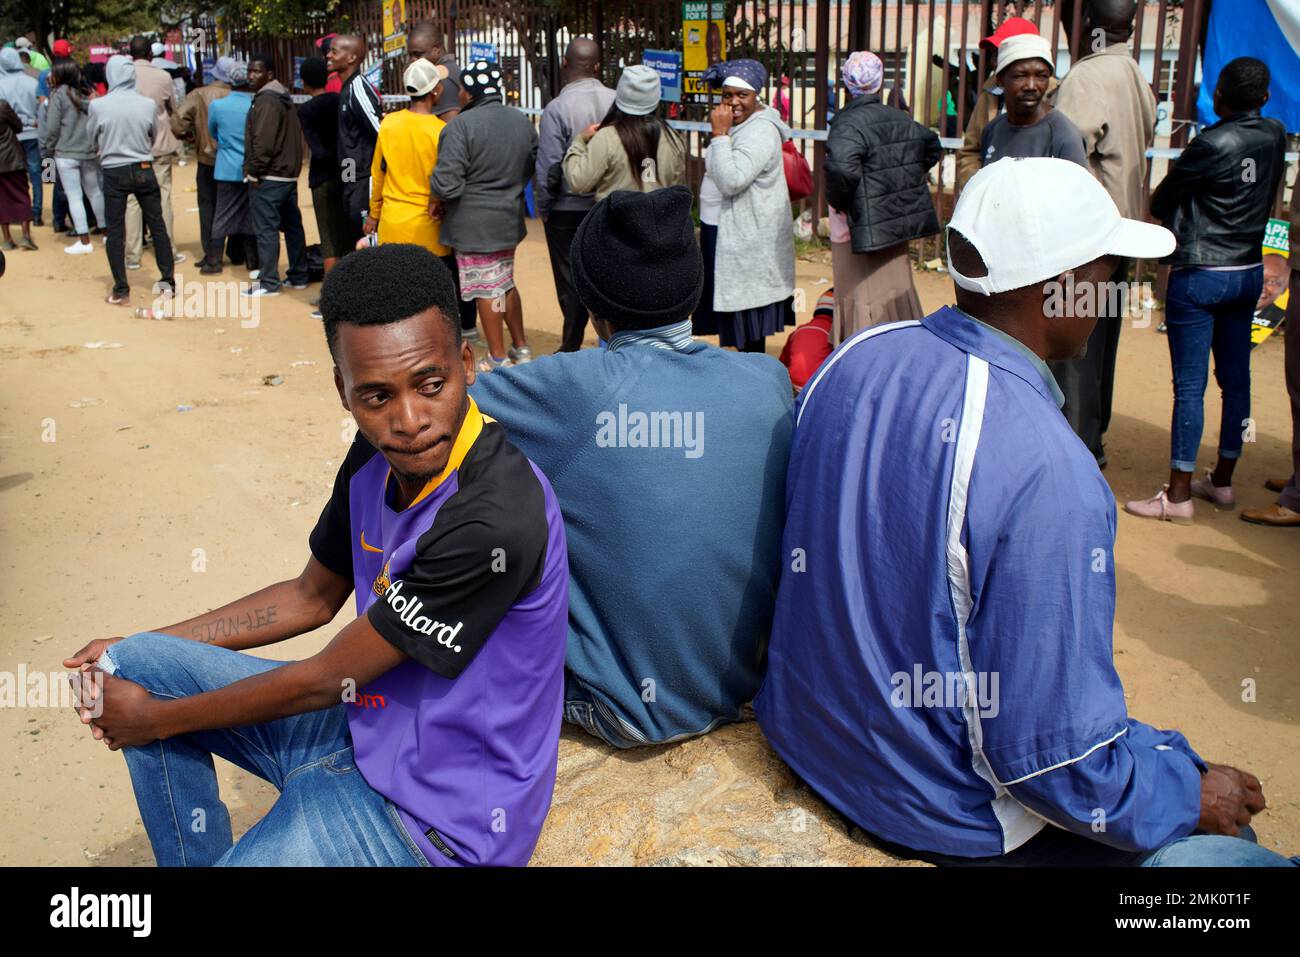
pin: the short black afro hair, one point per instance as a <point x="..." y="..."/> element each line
<point x="384" y="284"/>
<point x="265" y="59"/>
<point x="1244" y="83"/>
<point x="314" y="72"/>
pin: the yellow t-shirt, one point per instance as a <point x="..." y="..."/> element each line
<point x="405" y="154"/>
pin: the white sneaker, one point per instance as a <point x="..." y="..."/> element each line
<point x="254" y="274"/>
<point x="132" y="265"/>
<point x="488" y="364"/>
<point x="181" y="257"/>
<point x="520" y="355"/>
<point x="79" y="249"/>
<point x="254" y="292"/>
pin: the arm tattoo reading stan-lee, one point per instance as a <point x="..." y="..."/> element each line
<point x="209" y="631"/>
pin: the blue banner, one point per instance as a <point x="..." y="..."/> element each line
<point x="482" y="51"/>
<point x="668" y="64"/>
<point x="1268" y="30"/>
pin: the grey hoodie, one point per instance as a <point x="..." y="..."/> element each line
<point x="19" y="89"/>
<point x="66" y="133"/>
<point x="122" y="122"/>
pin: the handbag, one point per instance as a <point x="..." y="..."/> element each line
<point x="798" y="174"/>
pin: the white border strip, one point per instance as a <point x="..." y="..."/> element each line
<point x="1017" y="823"/>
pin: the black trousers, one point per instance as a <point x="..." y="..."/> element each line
<point x="207" y="187"/>
<point x="275" y="210"/>
<point x="1089" y="383"/>
<point x="561" y="227"/>
<point x="135" y="179"/>
<point x="468" y="310"/>
<point x="356" y="202"/>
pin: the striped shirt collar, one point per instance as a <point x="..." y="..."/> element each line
<point x="675" y="336"/>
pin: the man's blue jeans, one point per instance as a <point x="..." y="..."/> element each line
<point x="275" y="208"/>
<point x="1210" y="310"/>
<point x="326" y="813"/>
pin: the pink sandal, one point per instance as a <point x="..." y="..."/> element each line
<point x="1222" y="498"/>
<point x="1159" y="506"/>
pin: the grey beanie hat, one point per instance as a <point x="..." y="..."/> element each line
<point x="638" y="90"/>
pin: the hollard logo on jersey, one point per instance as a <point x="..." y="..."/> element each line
<point x="408" y="611"/>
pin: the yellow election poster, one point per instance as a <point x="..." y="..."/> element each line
<point x="704" y="43"/>
<point x="394" y="28"/>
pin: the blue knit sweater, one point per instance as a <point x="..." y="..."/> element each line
<point x="669" y="465"/>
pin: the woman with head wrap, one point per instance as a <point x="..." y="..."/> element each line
<point x="745" y="233"/>
<point x="878" y="161"/>
<point x="485" y="159"/>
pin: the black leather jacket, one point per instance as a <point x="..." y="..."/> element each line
<point x="877" y="173"/>
<point x="1217" y="197"/>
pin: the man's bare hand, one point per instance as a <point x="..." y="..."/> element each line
<point x="128" y="714"/>
<point x="90" y="653"/>
<point x="1229" y="797"/>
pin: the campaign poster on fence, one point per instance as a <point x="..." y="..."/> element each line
<point x="704" y="43"/>
<point x="668" y="64"/>
<point x="394" y="28"/>
<point x="1271" y="308"/>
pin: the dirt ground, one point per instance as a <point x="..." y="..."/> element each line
<point x="155" y="475"/>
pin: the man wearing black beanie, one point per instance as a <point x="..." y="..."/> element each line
<point x="674" y="544"/>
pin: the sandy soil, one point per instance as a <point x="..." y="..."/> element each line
<point x="176" y="480"/>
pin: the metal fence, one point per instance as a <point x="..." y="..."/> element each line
<point x="934" y="64"/>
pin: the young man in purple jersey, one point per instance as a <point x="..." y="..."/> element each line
<point x="427" y="731"/>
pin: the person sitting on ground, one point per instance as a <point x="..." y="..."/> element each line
<point x="809" y="345"/>
<point x="631" y="148"/>
<point x="950" y="593"/>
<point x="485" y="160"/>
<point x="673" y="541"/>
<point x="427" y="730"/>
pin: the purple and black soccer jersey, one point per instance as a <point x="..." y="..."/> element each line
<point x="471" y="581"/>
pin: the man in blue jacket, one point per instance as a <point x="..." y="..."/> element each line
<point x="668" y="459"/>
<point x="941" y="665"/>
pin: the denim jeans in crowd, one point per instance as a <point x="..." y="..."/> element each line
<point x="581" y="708"/>
<point x="33" y="150"/>
<point x="275" y="209"/>
<point x="326" y="813"/>
<point x="121" y="182"/>
<point x="1210" y="311"/>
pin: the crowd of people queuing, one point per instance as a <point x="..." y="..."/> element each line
<point x="929" y="647"/>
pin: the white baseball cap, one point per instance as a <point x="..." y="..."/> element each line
<point x="422" y="76"/>
<point x="1033" y="219"/>
<point x="1023" y="46"/>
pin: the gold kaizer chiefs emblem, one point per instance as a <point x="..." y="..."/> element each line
<point x="381" y="582"/>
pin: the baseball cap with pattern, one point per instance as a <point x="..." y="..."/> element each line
<point x="1031" y="219"/>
